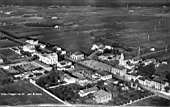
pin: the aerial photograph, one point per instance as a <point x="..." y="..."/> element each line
<point x="84" y="53"/>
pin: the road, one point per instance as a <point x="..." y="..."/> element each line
<point x="11" y="36"/>
<point x="7" y="48"/>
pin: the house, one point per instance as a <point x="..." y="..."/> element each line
<point x="85" y="92"/>
<point x="108" y="47"/>
<point x="102" y="96"/>
<point x="149" y="61"/>
<point x="77" y="56"/>
<point x="105" y="76"/>
<point x="118" y="71"/>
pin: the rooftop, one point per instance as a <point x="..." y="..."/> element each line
<point x="89" y="90"/>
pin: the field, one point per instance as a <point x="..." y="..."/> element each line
<point x="86" y="2"/>
<point x="80" y="26"/>
<point x="29" y="94"/>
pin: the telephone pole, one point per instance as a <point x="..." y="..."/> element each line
<point x="148" y="36"/>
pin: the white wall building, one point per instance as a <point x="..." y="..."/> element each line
<point x="77" y="56"/>
<point x="50" y="59"/>
<point x="122" y="62"/>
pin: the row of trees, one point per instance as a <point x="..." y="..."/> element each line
<point x="68" y="93"/>
<point x="147" y="70"/>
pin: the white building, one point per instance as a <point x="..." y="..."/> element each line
<point x="49" y="59"/>
<point x="94" y="47"/>
<point x="108" y="47"/>
<point x="32" y="42"/>
<point x="42" y="45"/>
<point x="77" y="56"/>
<point x="29" y="48"/>
<point x="85" y="92"/>
<point x="119" y="72"/>
<point x="63" y="52"/>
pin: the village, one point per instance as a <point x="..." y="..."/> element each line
<point x="104" y="77"/>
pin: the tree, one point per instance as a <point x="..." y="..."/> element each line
<point x="168" y="77"/>
<point x="107" y="51"/>
<point x="147" y="71"/>
<point x="167" y="88"/>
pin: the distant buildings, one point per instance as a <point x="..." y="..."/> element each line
<point x="77" y="56"/>
<point x="102" y="96"/>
